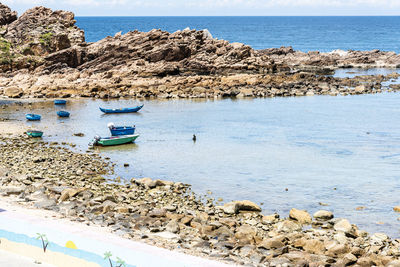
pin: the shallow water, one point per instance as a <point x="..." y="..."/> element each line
<point x="255" y="148"/>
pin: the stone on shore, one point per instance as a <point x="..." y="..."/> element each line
<point x="245" y="234"/>
<point x="13" y="92"/>
<point x="301" y="216"/>
<point x="148" y="182"/>
<point x="69" y="192"/>
<point x="237" y="206"/>
<point x="344" y="226"/>
<point x="323" y="215"/>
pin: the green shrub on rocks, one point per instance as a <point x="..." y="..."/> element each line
<point x="45" y="38"/>
<point x="6" y="56"/>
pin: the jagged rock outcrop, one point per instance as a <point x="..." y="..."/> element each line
<point x="159" y="53"/>
<point x="6" y="15"/>
<point x="334" y="59"/>
<point x="43" y="54"/>
<point x="40" y="31"/>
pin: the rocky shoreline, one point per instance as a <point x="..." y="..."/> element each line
<point x="168" y="214"/>
<point x="43" y="54"/>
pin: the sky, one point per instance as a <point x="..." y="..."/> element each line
<point x="215" y="7"/>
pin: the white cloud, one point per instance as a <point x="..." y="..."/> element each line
<point x="215" y="7"/>
<point x="285" y="3"/>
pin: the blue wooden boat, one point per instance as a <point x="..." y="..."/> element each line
<point x="121" y="110"/>
<point x="60" y="102"/>
<point x="122" y="130"/>
<point x="33" y="117"/>
<point x="63" y="113"/>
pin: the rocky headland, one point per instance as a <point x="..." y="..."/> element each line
<point x="168" y="214"/>
<point x="44" y="54"/>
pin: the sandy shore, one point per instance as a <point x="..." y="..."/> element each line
<point x="11" y="128"/>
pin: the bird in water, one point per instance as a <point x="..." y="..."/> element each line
<point x="194" y="138"/>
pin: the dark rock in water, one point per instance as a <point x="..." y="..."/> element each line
<point x="79" y="134"/>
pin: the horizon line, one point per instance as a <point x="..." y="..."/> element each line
<point x="237" y="15"/>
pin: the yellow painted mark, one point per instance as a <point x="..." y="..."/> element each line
<point x="70" y="244"/>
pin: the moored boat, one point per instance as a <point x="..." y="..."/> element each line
<point x="60" y="102"/>
<point x="33" y="117"/>
<point x="114" y="140"/>
<point x="34" y="133"/>
<point x="63" y="113"/>
<point x="121" y="130"/>
<point x="121" y="110"/>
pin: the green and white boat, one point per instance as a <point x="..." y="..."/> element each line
<point x="34" y="133"/>
<point x="113" y="140"/>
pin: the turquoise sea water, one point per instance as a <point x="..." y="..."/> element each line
<point x="303" y="33"/>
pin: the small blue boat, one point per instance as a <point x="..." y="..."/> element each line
<point x="60" y="102"/>
<point x="121" y="110"/>
<point x="33" y="117"/>
<point x="122" y="130"/>
<point x="63" y="113"/>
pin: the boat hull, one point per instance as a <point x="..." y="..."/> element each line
<point x="121" y="130"/>
<point x="34" y="133"/>
<point x="121" y="110"/>
<point x="63" y="114"/>
<point x="60" y="102"/>
<point x="120" y="140"/>
<point x="33" y="117"/>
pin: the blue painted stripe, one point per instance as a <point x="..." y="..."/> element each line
<point x="81" y="254"/>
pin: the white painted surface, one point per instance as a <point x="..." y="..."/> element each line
<point x="13" y="260"/>
<point x="93" y="239"/>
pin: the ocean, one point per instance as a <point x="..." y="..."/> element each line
<point x="303" y="33"/>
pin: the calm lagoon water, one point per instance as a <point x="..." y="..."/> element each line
<point x="344" y="150"/>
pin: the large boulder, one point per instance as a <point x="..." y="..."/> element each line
<point x="6" y="15"/>
<point x="40" y="31"/>
<point x="13" y="92"/>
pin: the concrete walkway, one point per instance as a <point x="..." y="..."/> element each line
<point x="93" y="239"/>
